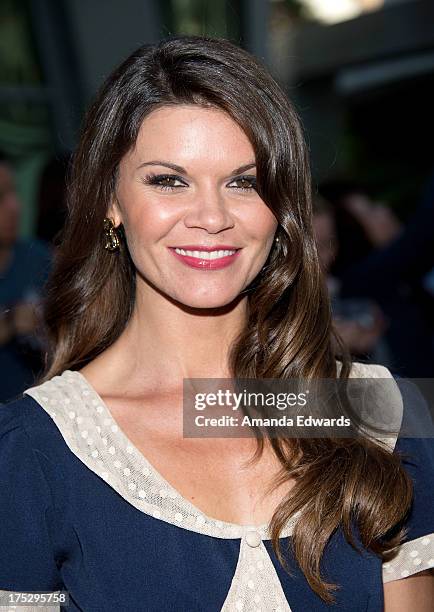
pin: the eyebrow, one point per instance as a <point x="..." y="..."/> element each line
<point x="182" y="170"/>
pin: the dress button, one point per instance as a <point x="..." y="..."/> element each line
<point x="253" y="538"/>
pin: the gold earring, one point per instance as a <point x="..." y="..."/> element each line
<point x="111" y="236"/>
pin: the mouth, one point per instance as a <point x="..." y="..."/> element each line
<point x="208" y="258"/>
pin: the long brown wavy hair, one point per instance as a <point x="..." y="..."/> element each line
<point x="288" y="332"/>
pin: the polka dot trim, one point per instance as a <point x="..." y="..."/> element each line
<point x="93" y="435"/>
<point x="255" y="585"/>
<point x="388" y="398"/>
<point x="411" y="557"/>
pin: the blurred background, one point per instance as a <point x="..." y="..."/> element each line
<point x="361" y="74"/>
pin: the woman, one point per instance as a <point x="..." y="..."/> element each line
<point x="191" y="148"/>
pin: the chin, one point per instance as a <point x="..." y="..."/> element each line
<point x="215" y="300"/>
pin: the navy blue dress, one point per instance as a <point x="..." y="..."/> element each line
<point x="83" y="511"/>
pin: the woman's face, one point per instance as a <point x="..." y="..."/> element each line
<point x="196" y="228"/>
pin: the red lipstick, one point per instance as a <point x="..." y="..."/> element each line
<point x="216" y="263"/>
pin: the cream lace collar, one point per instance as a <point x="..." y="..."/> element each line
<point x="92" y="434"/>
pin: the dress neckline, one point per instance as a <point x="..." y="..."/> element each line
<point x="141" y="458"/>
<point x="93" y="435"/>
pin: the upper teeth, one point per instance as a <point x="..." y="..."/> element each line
<point x="205" y="254"/>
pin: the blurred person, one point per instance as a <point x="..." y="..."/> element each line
<point x="381" y="259"/>
<point x="382" y="227"/>
<point x="379" y="222"/>
<point x="360" y="322"/>
<point x="24" y="267"/>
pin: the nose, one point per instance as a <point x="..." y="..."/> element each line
<point x="209" y="210"/>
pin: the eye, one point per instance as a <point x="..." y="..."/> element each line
<point x="165" y="182"/>
<point x="248" y="183"/>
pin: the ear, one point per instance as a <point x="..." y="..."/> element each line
<point x="114" y="211"/>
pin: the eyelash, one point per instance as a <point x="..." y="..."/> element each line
<point x="154" y="179"/>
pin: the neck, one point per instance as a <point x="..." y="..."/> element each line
<point x="165" y="341"/>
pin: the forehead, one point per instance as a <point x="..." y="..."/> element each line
<point x="190" y="134"/>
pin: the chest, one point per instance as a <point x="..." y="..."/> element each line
<point x="216" y="475"/>
<point x="123" y="559"/>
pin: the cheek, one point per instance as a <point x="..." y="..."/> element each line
<point x="147" y="220"/>
<point x="261" y="222"/>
